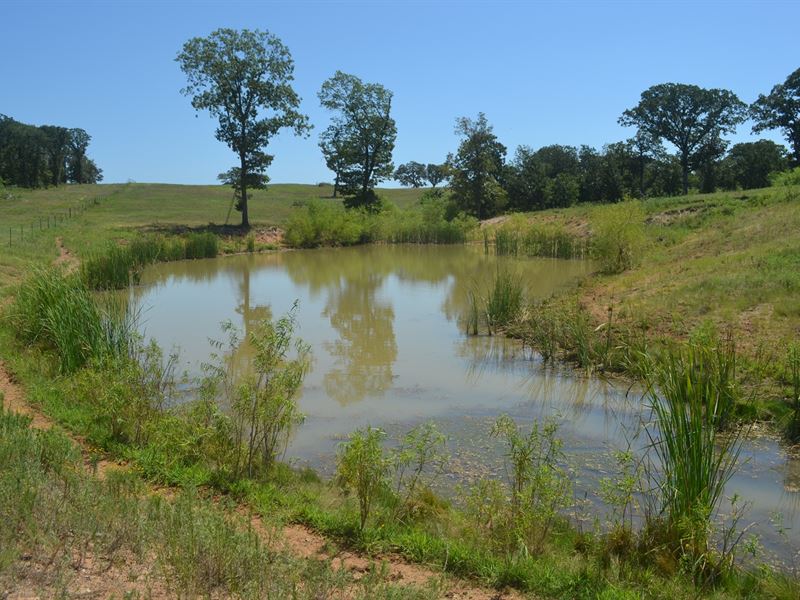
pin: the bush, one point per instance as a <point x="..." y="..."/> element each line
<point x="618" y="235"/>
<point x="263" y="401"/>
<point x="363" y="469"/>
<point x="786" y="178"/>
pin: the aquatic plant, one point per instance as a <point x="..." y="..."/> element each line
<point x="58" y="311"/>
<point x="690" y="392"/>
<point x="504" y="301"/>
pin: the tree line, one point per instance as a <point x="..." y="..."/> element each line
<point x="243" y="78"/>
<point x="33" y="157"/>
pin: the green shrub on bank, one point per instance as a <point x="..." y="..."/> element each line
<point x="786" y="178"/>
<point x="618" y="235"/>
<point x="321" y="223"/>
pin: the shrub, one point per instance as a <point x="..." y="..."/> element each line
<point x="264" y="400"/>
<point x="363" y="469"/>
<point x="786" y="178"/>
<point x="419" y="458"/>
<point x="539" y="486"/>
<point x="618" y="235"/>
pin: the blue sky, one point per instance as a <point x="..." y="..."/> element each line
<point x="543" y="73"/>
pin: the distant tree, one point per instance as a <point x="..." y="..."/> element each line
<point x="689" y="117"/>
<point x="707" y="164"/>
<point x="645" y="150"/>
<point x="79" y="142"/>
<point x="477" y="168"/>
<point x="243" y="78"/>
<point x="750" y="164"/>
<point x="362" y="116"/>
<point x="58" y="150"/>
<point x="412" y="174"/>
<point x="436" y="174"/>
<point x="781" y="110"/>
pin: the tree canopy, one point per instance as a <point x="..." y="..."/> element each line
<point x="689" y="117"/>
<point x="365" y="134"/>
<point x="781" y="110"/>
<point x="477" y="168"/>
<point x="243" y="78"/>
<point x="33" y="156"/>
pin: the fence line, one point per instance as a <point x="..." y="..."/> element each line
<point x="18" y="234"/>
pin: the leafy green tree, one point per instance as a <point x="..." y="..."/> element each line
<point x="689" y="117"/>
<point x="477" y="168"/>
<point x="750" y="164"/>
<point x="362" y="120"/>
<point x="58" y="139"/>
<point x="243" y="78"/>
<point x="436" y="174"/>
<point x="411" y="174"/>
<point x="781" y="110"/>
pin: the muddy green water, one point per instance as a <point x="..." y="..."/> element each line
<point x="386" y="331"/>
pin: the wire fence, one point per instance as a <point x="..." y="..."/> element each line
<point x="28" y="232"/>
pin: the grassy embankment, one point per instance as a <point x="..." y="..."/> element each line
<point x="169" y="448"/>
<point x="721" y="265"/>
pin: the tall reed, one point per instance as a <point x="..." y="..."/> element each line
<point x="59" y="312"/>
<point x="690" y="391"/>
<point x="504" y="302"/>
<point x="118" y="266"/>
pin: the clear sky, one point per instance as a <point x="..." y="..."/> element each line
<point x="544" y="73"/>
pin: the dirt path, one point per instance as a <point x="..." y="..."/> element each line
<point x="65" y="257"/>
<point x="298" y="540"/>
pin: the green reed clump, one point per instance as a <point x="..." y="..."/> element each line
<point x="691" y="395"/>
<point x="504" y="302"/>
<point x="120" y="265"/>
<point x="58" y="312"/>
<point x="618" y="235"/>
<point x="518" y="237"/>
<point x="321" y="223"/>
<point x="201" y="245"/>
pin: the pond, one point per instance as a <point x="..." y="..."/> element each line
<point x="389" y="350"/>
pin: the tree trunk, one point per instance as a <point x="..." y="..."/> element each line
<point x="336" y="184"/>
<point x="243" y="192"/>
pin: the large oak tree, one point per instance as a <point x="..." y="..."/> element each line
<point x="243" y="78"/>
<point x="365" y="134"/>
<point x="691" y="118"/>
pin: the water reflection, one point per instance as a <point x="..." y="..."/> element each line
<point x="365" y="348"/>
